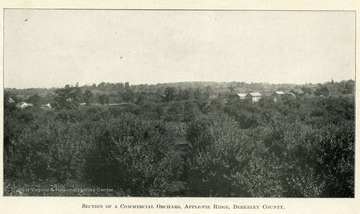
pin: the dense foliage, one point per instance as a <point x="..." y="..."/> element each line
<point x="183" y="141"/>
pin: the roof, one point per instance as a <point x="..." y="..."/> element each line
<point x="279" y="92"/>
<point x="24" y="105"/>
<point x="11" y="100"/>
<point x="241" y="95"/>
<point x="255" y="94"/>
<point x="46" y="106"/>
<point x="292" y="94"/>
<point x="299" y="91"/>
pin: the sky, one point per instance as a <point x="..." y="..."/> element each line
<point x="52" y="48"/>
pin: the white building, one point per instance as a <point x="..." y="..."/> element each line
<point x="24" y="105"/>
<point x="255" y="96"/>
<point x="242" y="96"/>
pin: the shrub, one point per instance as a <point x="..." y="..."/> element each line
<point x="135" y="156"/>
<point x="229" y="163"/>
<point x="48" y="150"/>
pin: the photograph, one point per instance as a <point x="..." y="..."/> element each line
<point x="167" y="103"/>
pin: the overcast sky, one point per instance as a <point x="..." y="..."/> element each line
<point x="52" y="48"/>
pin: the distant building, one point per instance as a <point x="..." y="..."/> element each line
<point x="46" y="106"/>
<point x="291" y="94"/>
<point x="242" y="96"/>
<point x="277" y="95"/>
<point x="24" y="105"/>
<point x="11" y="100"/>
<point x="297" y="91"/>
<point x="255" y="96"/>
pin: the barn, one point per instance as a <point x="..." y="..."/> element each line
<point x="242" y="96"/>
<point x="255" y="96"/>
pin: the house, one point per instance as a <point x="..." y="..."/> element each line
<point x="242" y="96"/>
<point x="277" y="95"/>
<point x="24" y="105"/>
<point x="255" y="96"/>
<point x="297" y="91"/>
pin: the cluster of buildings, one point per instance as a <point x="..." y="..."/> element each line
<point x="24" y="105"/>
<point x="256" y="96"/>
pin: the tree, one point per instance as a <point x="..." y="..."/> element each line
<point x="104" y="99"/>
<point x="128" y="95"/>
<point x="67" y="98"/>
<point x="35" y="100"/>
<point x="185" y="94"/>
<point x="88" y="97"/>
<point x="127" y="85"/>
<point x="170" y="94"/>
<point x="175" y="112"/>
<point x="307" y="90"/>
<point x="191" y="111"/>
<point x="216" y="105"/>
<point x="136" y="156"/>
<point x="199" y="95"/>
<point x="208" y="92"/>
<point x="322" y="91"/>
<point x="101" y="86"/>
<point x="349" y="87"/>
<point x="141" y="98"/>
<point x="225" y="162"/>
<point x="231" y="88"/>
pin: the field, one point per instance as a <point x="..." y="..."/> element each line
<point x="182" y="139"/>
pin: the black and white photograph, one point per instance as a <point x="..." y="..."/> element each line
<point x="179" y="103"/>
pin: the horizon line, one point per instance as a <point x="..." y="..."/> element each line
<point x="160" y="83"/>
